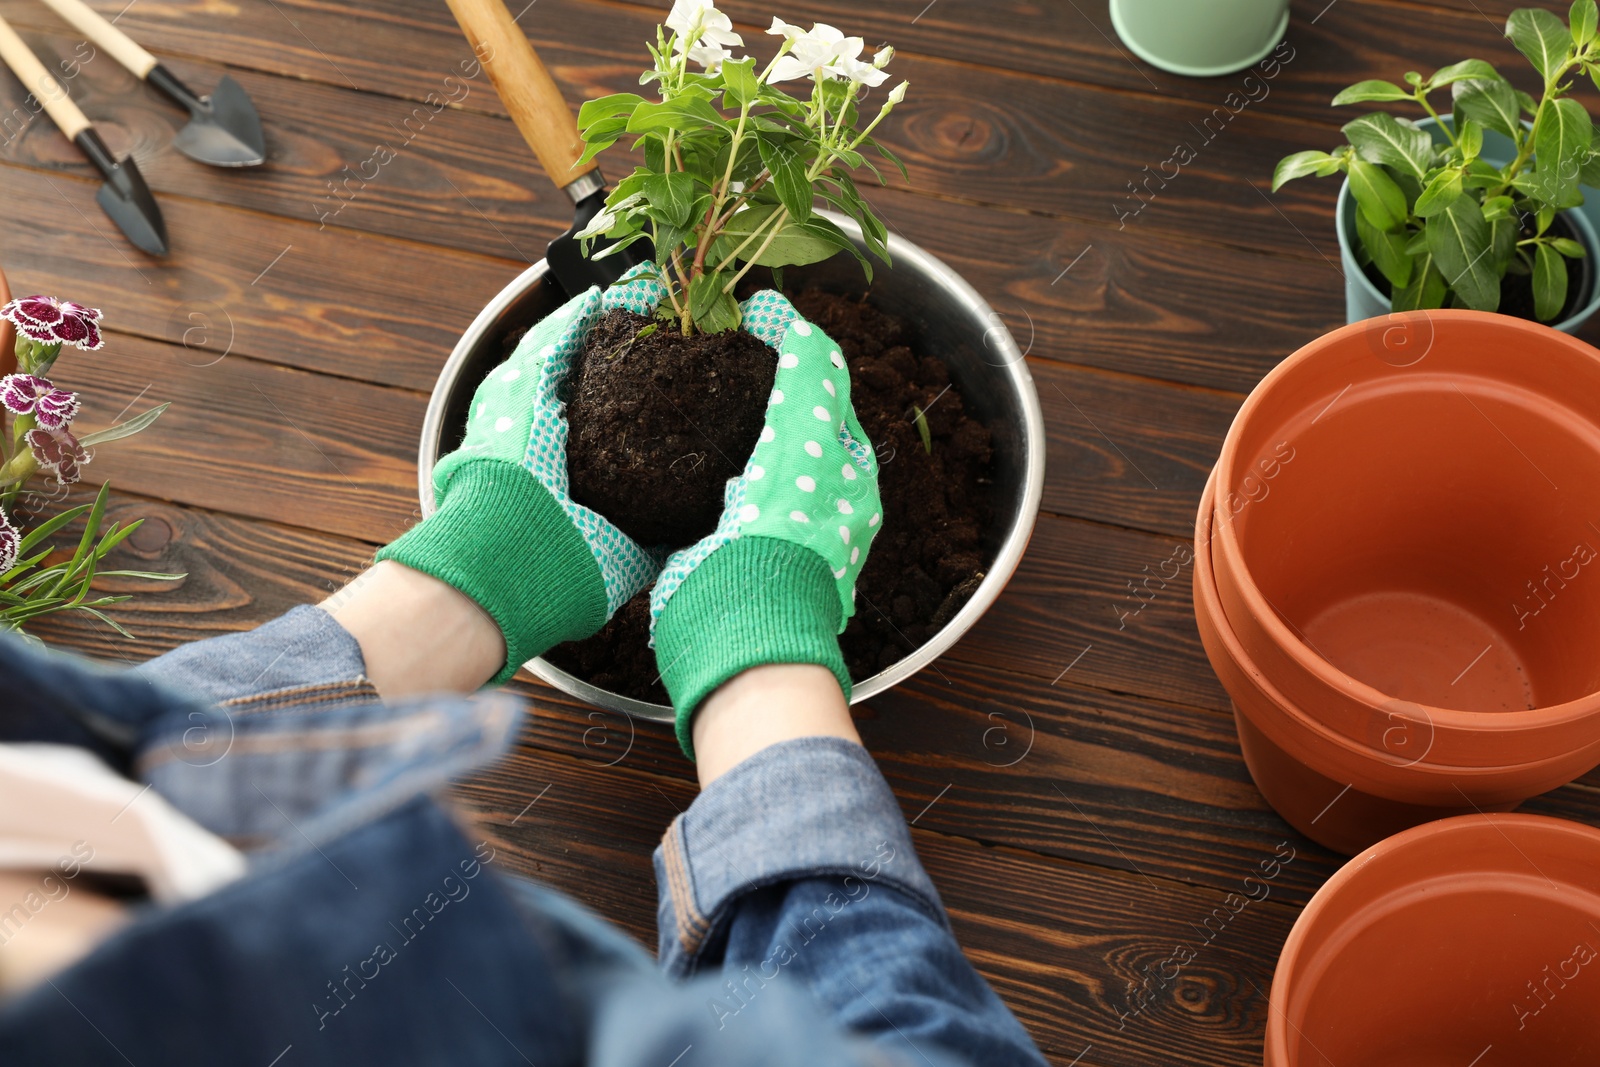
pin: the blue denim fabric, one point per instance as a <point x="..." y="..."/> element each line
<point x="797" y="926"/>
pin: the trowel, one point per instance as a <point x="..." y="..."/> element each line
<point x="124" y="196"/>
<point x="224" y="129"/>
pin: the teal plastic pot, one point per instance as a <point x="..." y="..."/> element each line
<point x="1200" y="38"/>
<point x="1364" y="300"/>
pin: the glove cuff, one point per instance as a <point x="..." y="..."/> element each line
<point x="503" y="540"/>
<point x="754" y="601"/>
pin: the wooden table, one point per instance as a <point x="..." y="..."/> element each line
<point x="1071" y="767"/>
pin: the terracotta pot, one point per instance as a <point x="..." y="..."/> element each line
<point x="1405" y="526"/>
<point x="1470" y="941"/>
<point x="1294" y="759"/>
<point x="8" y="332"/>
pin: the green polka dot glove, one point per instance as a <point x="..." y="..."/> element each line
<point x="506" y="533"/>
<point x="775" y="582"/>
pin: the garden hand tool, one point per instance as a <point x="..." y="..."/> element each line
<point x="124" y="196"/>
<point x="535" y="104"/>
<point x="224" y="129"/>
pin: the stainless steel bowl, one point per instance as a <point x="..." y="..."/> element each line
<point x="950" y="320"/>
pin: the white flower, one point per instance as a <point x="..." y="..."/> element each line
<point x="715" y="32"/>
<point x="792" y="32"/>
<point x="881" y="60"/>
<point x="826" y="50"/>
<point x="898" y="93"/>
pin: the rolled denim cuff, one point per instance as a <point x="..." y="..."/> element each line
<point x="816" y="806"/>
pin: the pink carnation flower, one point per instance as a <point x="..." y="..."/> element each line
<point x="58" y="452"/>
<point x="51" y="321"/>
<point x="29" y="394"/>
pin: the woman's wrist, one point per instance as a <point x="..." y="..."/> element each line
<point x="764" y="706"/>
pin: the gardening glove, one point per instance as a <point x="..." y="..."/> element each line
<point x="506" y="532"/>
<point x="775" y="582"/>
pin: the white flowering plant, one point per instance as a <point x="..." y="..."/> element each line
<point x="735" y="166"/>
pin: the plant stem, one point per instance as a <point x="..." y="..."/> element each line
<point x="1525" y="143"/>
<point x="780" y="215"/>
<point x="1422" y="98"/>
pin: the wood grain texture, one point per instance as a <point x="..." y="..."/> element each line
<point x="242" y="283"/>
<point x="255" y="439"/>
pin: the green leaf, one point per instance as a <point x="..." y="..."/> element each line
<point x="1378" y="197"/>
<point x="1298" y="166"/>
<point x="671" y="197"/>
<point x="1582" y="17"/>
<point x="606" y="107"/>
<point x="1492" y="104"/>
<point x="1440" y="193"/>
<point x="124" y="429"/>
<point x="1540" y="36"/>
<point x="796" y="244"/>
<point x="1503" y="234"/>
<point x="1426" y="289"/>
<point x="680" y="113"/>
<point x="739" y="82"/>
<point x="1497" y="207"/>
<point x="1460" y="241"/>
<point x="1549" y="188"/>
<point x="1547" y="215"/>
<point x="1465" y="70"/>
<point x="48" y="527"/>
<point x="1549" y="282"/>
<point x="921" y="421"/>
<point x="1382" y="138"/>
<point x="1589" y="169"/>
<point x="1469" y="138"/>
<point x="1561" y="141"/>
<point x="1418" y="244"/>
<point x="1388" y="251"/>
<point x="1568" y="247"/>
<point x="788" y="177"/>
<point x="1374" y="89"/>
<point x="713" y="310"/>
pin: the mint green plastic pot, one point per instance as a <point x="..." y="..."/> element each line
<point x="1200" y="38"/>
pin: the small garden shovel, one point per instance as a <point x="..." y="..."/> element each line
<point x="224" y="129"/>
<point x="124" y="196"/>
<point x="536" y="106"/>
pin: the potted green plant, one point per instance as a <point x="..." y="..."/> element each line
<point x="1478" y="207"/>
<point x="37" y="442"/>
<point x="743" y="179"/>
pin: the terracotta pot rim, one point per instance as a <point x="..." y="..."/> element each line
<point x="1301" y="720"/>
<point x="1304" y="657"/>
<point x="1470" y="862"/>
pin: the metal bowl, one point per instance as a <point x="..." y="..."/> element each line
<point x="951" y="321"/>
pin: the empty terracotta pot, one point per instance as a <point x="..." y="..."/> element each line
<point x="1469" y="942"/>
<point x="1324" y="784"/>
<point x="1405" y="521"/>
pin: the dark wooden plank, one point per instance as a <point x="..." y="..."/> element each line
<point x="1333" y="44"/>
<point x="247" y="437"/>
<point x="971" y="133"/>
<point x="240" y="282"/>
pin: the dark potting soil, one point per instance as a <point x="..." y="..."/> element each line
<point x="660" y="423"/>
<point x="1516" y="290"/>
<point x="929" y="559"/>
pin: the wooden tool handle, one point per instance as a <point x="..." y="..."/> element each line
<point x="89" y="22"/>
<point x="40" y="82"/>
<point x="525" y="87"/>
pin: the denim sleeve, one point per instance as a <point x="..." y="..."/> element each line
<point x="795" y="873"/>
